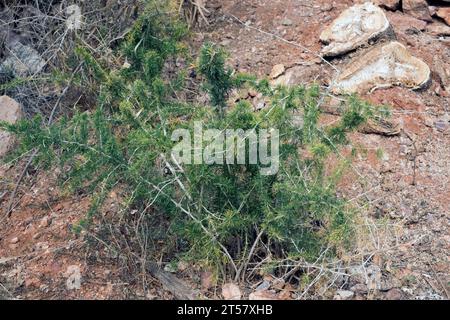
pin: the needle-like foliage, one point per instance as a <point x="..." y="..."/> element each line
<point x="227" y="216"/>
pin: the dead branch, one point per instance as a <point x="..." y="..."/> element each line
<point x="193" y="10"/>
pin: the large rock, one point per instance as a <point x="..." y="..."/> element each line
<point x="417" y="8"/>
<point x="23" y="61"/>
<point x="383" y="66"/>
<point x="354" y="28"/>
<point x="9" y="112"/>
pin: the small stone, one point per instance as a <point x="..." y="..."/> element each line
<point x="428" y="122"/>
<point x="14" y="240"/>
<point x="45" y="222"/>
<point x="41" y="246"/>
<point x="441" y="125"/>
<point x="259" y="105"/>
<point x="326" y="7"/>
<point x="252" y="93"/>
<point x="73" y="275"/>
<point x="418" y="9"/>
<point x="277" y="71"/>
<point x="286" y="22"/>
<point x="388" y="4"/>
<point x="394" y="294"/>
<point x="230" y="291"/>
<point x="343" y="295"/>
<point x="44" y="288"/>
<point x="263" y="286"/>
<point x="432" y="10"/>
<point x="437" y="91"/>
<point x="444" y="13"/>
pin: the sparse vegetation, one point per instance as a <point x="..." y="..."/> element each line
<point x="228" y="217"/>
<point x="104" y="100"/>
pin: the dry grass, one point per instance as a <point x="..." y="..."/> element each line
<point x="47" y="26"/>
<point x="194" y="11"/>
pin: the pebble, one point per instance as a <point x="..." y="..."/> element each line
<point x="286" y="22"/>
<point x="343" y="295"/>
<point x="264" y="285"/>
<point x="14" y="240"/>
<point x="40" y="246"/>
<point x="277" y="71"/>
<point x="441" y="125"/>
<point x="394" y="294"/>
<point x="327" y="7"/>
<point x="45" y="222"/>
<point x="252" y="93"/>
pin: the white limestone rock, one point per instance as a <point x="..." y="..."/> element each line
<point x="23" y="61"/>
<point x="355" y="27"/>
<point x="383" y="66"/>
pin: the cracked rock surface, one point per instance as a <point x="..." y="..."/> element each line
<point x="355" y="27"/>
<point x="382" y="67"/>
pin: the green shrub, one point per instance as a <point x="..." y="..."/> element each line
<point x="218" y="77"/>
<point x="220" y="215"/>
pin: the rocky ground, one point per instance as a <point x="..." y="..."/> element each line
<point x="401" y="182"/>
<point x="409" y="208"/>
